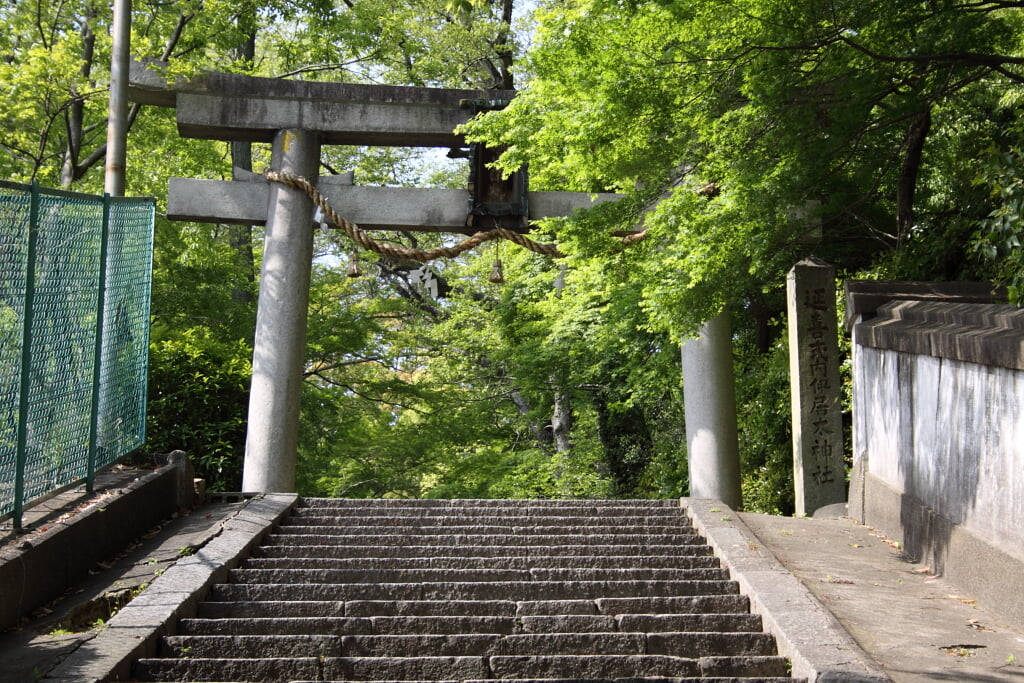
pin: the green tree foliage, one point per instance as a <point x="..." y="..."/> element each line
<point x="883" y="137"/>
<point x="198" y="397"/>
<point x="750" y="134"/>
<point x="875" y="112"/>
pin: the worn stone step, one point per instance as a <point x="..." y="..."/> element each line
<point x="253" y="576"/>
<point x="591" y="623"/>
<point x="297" y="536"/>
<point x="578" y="667"/>
<point x="619" y="666"/>
<point x="470" y="503"/>
<point x="643" y="606"/>
<point x="583" y="561"/>
<point x="484" y="590"/>
<point x="447" y="645"/>
<point x="693" y="645"/>
<point x="294" y="547"/>
<point x="700" y="604"/>
<point x="518" y="517"/>
<point x="405" y="668"/>
<point x="355" y="608"/>
<point x="484" y="516"/>
<point x="361" y="625"/>
<point x="522" y="509"/>
<point x="685" y="623"/>
<point x="651" y="679"/>
<point x="538" y="669"/>
<point x="591" y="666"/>
<point x="645" y="679"/>
<point x="227" y="669"/>
<point x="338" y="626"/>
<point x="341" y="527"/>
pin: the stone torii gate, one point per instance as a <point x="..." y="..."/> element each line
<point x="297" y="118"/>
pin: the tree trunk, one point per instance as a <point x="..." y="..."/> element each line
<point x="240" y="236"/>
<point x="75" y="116"/>
<point x="917" y="133"/>
<point x="503" y="47"/>
<point x="542" y="437"/>
<point x="561" y="417"/>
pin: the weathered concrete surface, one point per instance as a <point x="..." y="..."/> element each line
<point x="219" y="106"/>
<point x="371" y="208"/>
<point x="279" y="348"/>
<point x="918" y="627"/>
<point x="134" y="631"/>
<point x="985" y="334"/>
<point x="709" y="395"/>
<point x="819" y="648"/>
<point x="40" y="566"/>
<point x="938" y="456"/>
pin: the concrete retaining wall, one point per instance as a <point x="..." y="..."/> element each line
<point x="41" y="568"/>
<point x="939" y="440"/>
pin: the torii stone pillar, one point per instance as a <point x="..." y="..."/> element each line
<point x="280" y="343"/>
<point x="709" y="398"/>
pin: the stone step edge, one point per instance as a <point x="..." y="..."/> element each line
<point x="703" y="667"/>
<point x="592" y="606"/>
<point x="645" y="679"/>
<point x="738" y="622"/>
<point x="695" y="645"/>
<point x="428" y="551"/>
<point x="456" y="503"/>
<point x="547" y="563"/>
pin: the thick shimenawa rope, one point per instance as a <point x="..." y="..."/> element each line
<point x="359" y="236"/>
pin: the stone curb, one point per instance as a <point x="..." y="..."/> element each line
<point x="808" y="634"/>
<point x="60" y="552"/>
<point x="135" y="631"/>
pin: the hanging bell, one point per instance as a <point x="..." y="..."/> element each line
<point x="353" y="269"/>
<point x="497" y="275"/>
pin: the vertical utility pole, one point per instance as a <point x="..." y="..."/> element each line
<point x="117" y="123"/>
<point x="279" y="350"/>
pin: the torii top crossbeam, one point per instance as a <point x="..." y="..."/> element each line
<point x="232" y="107"/>
<point x="216" y="106"/>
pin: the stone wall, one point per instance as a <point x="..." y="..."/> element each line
<point x="939" y="439"/>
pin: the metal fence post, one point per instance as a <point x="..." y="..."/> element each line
<point x="26" y="357"/>
<point x="97" y="367"/>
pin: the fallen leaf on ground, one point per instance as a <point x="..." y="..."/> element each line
<point x="977" y="626"/>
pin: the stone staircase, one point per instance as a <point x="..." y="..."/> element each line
<point x="384" y="590"/>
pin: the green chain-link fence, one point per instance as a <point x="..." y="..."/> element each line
<point x="75" y="273"/>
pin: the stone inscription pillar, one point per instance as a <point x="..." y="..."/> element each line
<point x="709" y="397"/>
<point x="280" y="343"/>
<point x="818" y="468"/>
